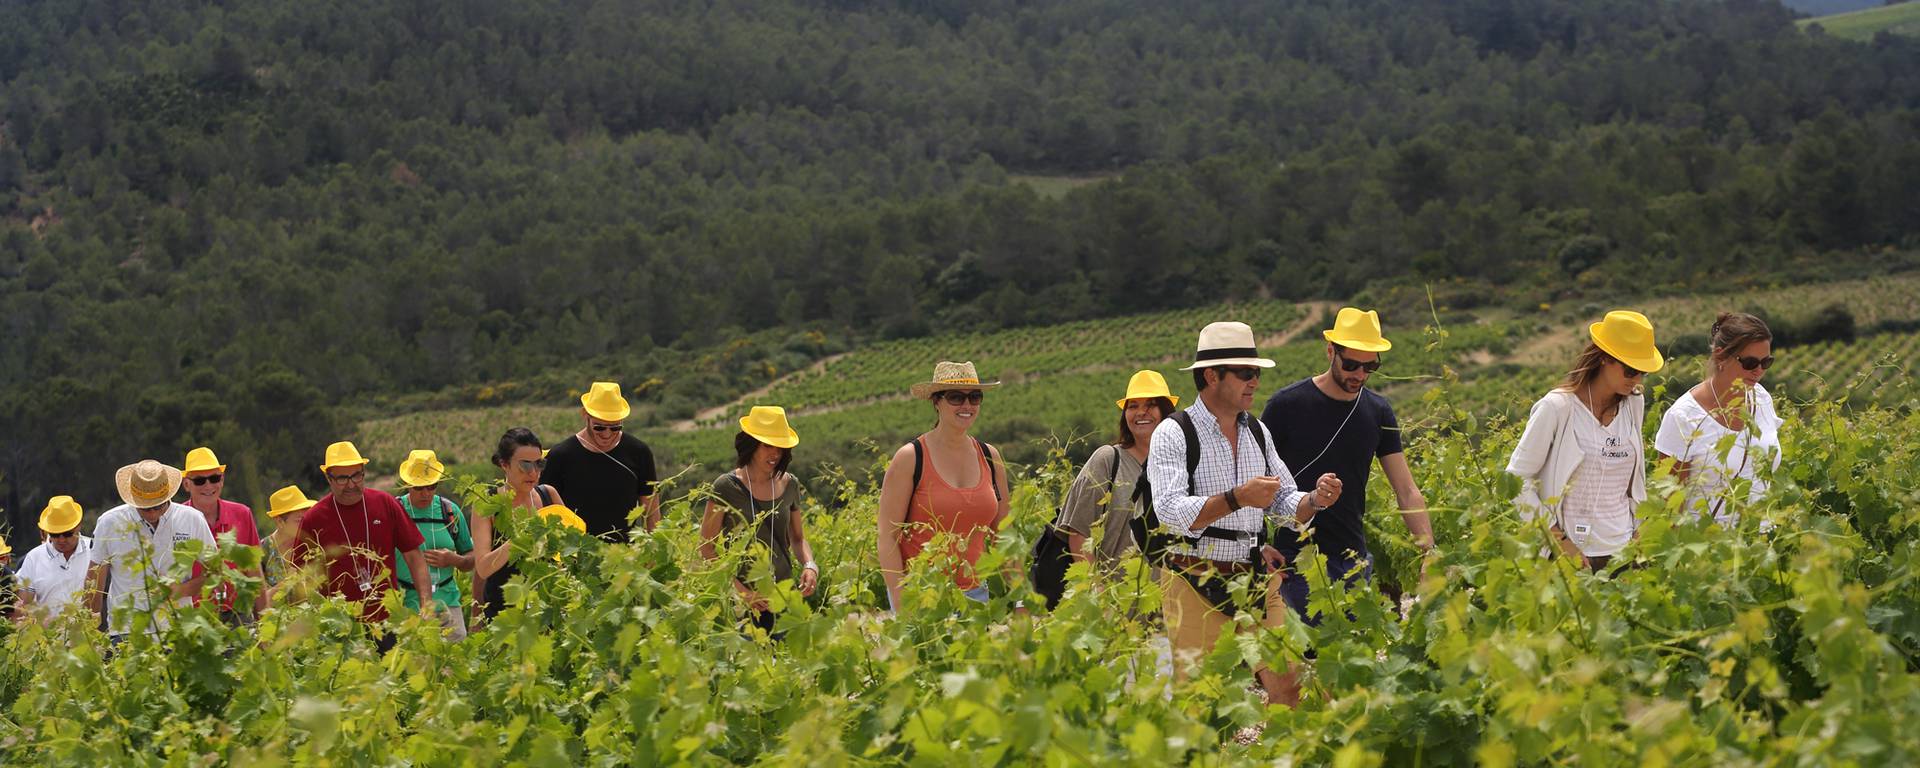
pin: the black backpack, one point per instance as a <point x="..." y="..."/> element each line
<point x="1153" y="537"/>
<point x="1047" y="569"/>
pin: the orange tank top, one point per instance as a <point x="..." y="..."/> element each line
<point x="938" y="507"/>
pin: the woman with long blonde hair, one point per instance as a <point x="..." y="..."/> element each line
<point x="1581" y="459"/>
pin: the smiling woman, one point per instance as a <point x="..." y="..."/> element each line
<point x="943" y="482"/>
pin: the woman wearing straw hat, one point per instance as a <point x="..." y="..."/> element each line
<point x="760" y="495"/>
<point x="1581" y="458"/>
<point x="943" y="482"/>
<point x="54" y="572"/>
<point x="205" y="480"/>
<point x="1103" y="491"/>
<point x="520" y="460"/>
<point x="448" y="546"/>
<point x="133" y="548"/>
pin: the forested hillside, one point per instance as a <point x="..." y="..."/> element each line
<point x="237" y="223"/>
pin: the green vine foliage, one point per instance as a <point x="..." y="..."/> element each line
<point x="1790" y="639"/>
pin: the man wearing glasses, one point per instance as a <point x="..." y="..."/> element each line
<point x="1218" y="502"/>
<point x="205" y="480"/>
<point x="133" y="549"/>
<point x="603" y="472"/>
<point x="54" y="572"/>
<point x="1331" y="422"/>
<point x="358" y="530"/>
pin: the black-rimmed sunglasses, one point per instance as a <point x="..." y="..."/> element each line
<point x="1761" y="363"/>
<point x="66" y="535"/>
<point x="608" y="428"/>
<point x="1246" y="373"/>
<point x="1353" y="365"/>
<point x="360" y="475"/>
<point x="205" y="479"/>
<point x="962" y="397"/>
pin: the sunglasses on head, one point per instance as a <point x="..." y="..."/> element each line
<point x="1246" y="373"/>
<point x="533" y="465"/>
<point x="1751" y="363"/>
<point x="355" y="477"/>
<point x="962" y="397"/>
<point x="205" y="479"/>
<point x="608" y="428"/>
<point x="1353" y="365"/>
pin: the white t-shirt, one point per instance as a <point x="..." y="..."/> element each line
<point x="1689" y="434"/>
<point x="140" y="556"/>
<point x="56" y="580"/>
<point x="1597" y="513"/>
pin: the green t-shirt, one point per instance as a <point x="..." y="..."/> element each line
<point x="443" y="526"/>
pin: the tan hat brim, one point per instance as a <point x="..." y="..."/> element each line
<point x="923" y="389"/>
<point x="123" y="483"/>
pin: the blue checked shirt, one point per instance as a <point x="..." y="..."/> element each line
<point x="1217" y="473"/>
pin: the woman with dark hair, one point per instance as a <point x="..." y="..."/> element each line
<point x="1729" y="403"/>
<point x="519" y="458"/>
<point x="945" y="481"/>
<point x="1104" y="487"/>
<point x="1580" y="459"/>
<point x="760" y="495"/>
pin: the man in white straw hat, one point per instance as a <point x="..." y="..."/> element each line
<point x="133" y="548"/>
<point x="1216" y="503"/>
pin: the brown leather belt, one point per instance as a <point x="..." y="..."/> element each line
<point x="1192" y="564"/>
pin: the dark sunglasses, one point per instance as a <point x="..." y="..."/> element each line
<point x="1629" y="371"/>
<point x="355" y="477"/>
<point x="608" y="427"/>
<point x="532" y="466"/>
<point x="205" y="479"/>
<point x="1246" y="373"/>
<point x="962" y="397"/>
<point x="1353" y="365"/>
<point x="1761" y="363"/>
<point x="67" y="535"/>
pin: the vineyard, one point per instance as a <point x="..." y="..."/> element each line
<point x="1789" y="644"/>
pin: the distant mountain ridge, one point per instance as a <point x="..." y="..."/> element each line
<point x="1829" y="7"/>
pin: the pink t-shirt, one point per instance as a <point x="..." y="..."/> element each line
<point x="238" y="518"/>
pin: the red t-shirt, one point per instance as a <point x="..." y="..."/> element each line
<point x="359" y="539"/>
<point x="238" y="518"/>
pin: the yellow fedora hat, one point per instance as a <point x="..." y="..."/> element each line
<point x="565" y="516"/>
<point x="768" y="424"/>
<point x="1357" y="329"/>
<point x="949" y="375"/>
<point x="287" y="500"/>
<point x="1146" y="384"/>
<point x="421" y="468"/>
<point x="603" y="402"/>
<point x="1628" y="336"/>
<point x="202" y="460"/>
<point x="61" y="515"/>
<point x="147" y="484"/>
<point x="343" y="454"/>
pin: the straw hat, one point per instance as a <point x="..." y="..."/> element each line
<point x="287" y="500"/>
<point x="1357" y="329"/>
<point x="565" y="516"/>
<point x="603" y="402"/>
<point x="61" y="515"/>
<point x="1227" y="343"/>
<point x="147" y="484"/>
<point x="1628" y="336"/>
<point x="343" y="454"/>
<point x="768" y="424"/>
<point x="947" y="376"/>
<point x="203" y="460"/>
<point x="420" y="469"/>
<point x="1146" y="384"/>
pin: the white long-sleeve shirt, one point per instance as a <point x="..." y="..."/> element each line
<point x="1217" y="473"/>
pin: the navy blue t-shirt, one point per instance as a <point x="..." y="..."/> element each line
<point x="1303" y="421"/>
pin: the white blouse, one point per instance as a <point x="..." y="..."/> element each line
<point x="1716" y="455"/>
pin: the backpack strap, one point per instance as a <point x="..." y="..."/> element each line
<point x="993" y="475"/>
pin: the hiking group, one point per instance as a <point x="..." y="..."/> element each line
<point x="1217" y="500"/>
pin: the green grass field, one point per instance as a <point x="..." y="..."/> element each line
<point x="1902" y="19"/>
